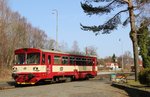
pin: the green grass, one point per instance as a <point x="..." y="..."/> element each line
<point x="137" y="84"/>
<point x="134" y="83"/>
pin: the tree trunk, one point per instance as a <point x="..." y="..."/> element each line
<point x="133" y="36"/>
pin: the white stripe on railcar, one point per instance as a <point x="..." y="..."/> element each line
<point x="26" y="69"/>
<point x="71" y="68"/>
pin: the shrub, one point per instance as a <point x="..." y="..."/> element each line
<point x="144" y="76"/>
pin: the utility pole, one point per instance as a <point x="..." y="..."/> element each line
<point x="56" y="12"/>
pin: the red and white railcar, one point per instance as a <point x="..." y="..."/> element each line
<point x="33" y="65"/>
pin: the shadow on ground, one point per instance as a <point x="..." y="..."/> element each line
<point x="132" y="92"/>
<point x="11" y="83"/>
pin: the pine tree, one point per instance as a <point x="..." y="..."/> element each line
<point x="144" y="43"/>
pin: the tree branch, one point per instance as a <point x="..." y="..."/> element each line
<point x="90" y="9"/>
<point x="127" y="1"/>
<point x="126" y="21"/>
<point x="111" y="24"/>
<point x="119" y="13"/>
<point x="110" y="3"/>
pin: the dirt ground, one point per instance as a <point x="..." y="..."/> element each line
<point x="5" y="75"/>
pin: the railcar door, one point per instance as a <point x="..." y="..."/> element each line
<point x="49" y="66"/>
<point x="94" y="64"/>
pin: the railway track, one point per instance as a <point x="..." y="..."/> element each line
<point x="7" y="85"/>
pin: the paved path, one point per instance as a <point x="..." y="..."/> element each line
<point x="112" y="72"/>
<point x="91" y="88"/>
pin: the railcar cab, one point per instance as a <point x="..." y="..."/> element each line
<point x="29" y="66"/>
<point x="27" y="56"/>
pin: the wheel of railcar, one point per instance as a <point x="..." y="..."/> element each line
<point x="87" y="77"/>
<point x="73" y="78"/>
<point x="68" y="79"/>
<point x="53" y="81"/>
<point x="56" y="79"/>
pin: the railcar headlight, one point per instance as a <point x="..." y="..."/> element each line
<point x="36" y="69"/>
<point x="14" y="69"/>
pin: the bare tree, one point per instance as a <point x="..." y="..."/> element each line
<point x="91" y="50"/>
<point x="4" y="23"/>
<point x="38" y="38"/>
<point x="16" y="32"/>
<point x="125" y="59"/>
<point x="63" y="47"/>
<point x="75" y="48"/>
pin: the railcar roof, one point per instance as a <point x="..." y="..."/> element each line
<point x="52" y="51"/>
<point x="58" y="52"/>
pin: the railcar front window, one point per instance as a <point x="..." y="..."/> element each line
<point x="33" y="58"/>
<point x="20" y="59"/>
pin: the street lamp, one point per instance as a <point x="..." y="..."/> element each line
<point x="122" y="52"/>
<point x="56" y="12"/>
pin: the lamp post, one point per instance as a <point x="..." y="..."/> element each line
<point x="122" y="53"/>
<point x="56" y="12"/>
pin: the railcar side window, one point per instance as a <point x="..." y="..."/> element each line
<point x="49" y="59"/>
<point x="64" y="60"/>
<point x="20" y="59"/>
<point x="78" y="61"/>
<point x="72" y="60"/>
<point x="57" y="60"/>
<point x="43" y="59"/>
<point x="84" y="61"/>
<point x="90" y="62"/>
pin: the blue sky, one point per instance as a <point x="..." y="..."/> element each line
<point x="70" y="15"/>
